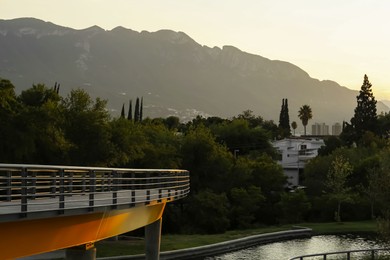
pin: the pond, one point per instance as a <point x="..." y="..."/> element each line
<point x="316" y="244"/>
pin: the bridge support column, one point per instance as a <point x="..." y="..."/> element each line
<point x="84" y="252"/>
<point x="153" y="240"/>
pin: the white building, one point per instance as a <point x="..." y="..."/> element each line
<point x="295" y="152"/>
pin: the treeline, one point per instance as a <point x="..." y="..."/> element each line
<point x="235" y="183"/>
<point x="350" y="179"/>
<point x="235" y="180"/>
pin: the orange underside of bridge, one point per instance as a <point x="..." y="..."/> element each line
<point x="30" y="237"/>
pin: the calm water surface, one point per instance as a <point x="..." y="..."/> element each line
<point x="317" y="244"/>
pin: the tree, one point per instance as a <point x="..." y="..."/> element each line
<point x="130" y="113"/>
<point x="136" y="111"/>
<point x="365" y="118"/>
<point x="123" y="111"/>
<point x="294" y="205"/>
<point x="244" y="204"/>
<point x="238" y="135"/>
<point x="252" y="119"/>
<point x="42" y="120"/>
<point x="284" y="119"/>
<point x="141" y="109"/>
<point x="305" y="114"/>
<point x="207" y="160"/>
<point x="209" y="210"/>
<point x="87" y="128"/>
<point x="336" y="182"/>
<point x="294" y="126"/>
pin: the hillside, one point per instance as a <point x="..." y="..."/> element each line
<point x="174" y="74"/>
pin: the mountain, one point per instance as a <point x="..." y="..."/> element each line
<point x="174" y="74"/>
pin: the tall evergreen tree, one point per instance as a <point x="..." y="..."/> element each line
<point x="141" y="109"/>
<point x="281" y="115"/>
<point x="136" y="111"/>
<point x="284" y="119"/>
<point x="365" y="118"/>
<point x="123" y="111"/>
<point x="130" y="113"/>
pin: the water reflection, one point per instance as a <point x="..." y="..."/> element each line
<point x="316" y="244"/>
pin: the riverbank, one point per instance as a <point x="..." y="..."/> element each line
<point x="224" y="247"/>
<point x="134" y="246"/>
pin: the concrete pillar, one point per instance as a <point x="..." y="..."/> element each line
<point x="153" y="240"/>
<point x="84" y="252"/>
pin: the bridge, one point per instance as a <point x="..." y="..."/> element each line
<point x="46" y="208"/>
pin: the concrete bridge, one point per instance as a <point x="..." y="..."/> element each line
<point x="46" y="208"/>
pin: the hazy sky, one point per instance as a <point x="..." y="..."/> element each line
<point x="339" y="40"/>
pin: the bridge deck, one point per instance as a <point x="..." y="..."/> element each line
<point x="46" y="208"/>
<point x="30" y="191"/>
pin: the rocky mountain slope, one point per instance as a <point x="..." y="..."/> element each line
<point x="174" y="74"/>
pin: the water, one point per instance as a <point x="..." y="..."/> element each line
<point x="316" y="244"/>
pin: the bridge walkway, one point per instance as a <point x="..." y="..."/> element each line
<point x="46" y="208"/>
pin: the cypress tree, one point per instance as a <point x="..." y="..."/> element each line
<point x="281" y="115"/>
<point x="286" y="117"/>
<point x="136" y="111"/>
<point x="141" y="109"/>
<point x="123" y="111"/>
<point x="130" y="114"/>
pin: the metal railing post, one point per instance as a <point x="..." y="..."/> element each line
<point x="53" y="182"/>
<point x="62" y="192"/>
<point x="92" y="189"/>
<point x="9" y="186"/>
<point x="114" y="175"/>
<point x="23" y="192"/>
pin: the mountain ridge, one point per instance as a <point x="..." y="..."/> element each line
<point x="175" y="74"/>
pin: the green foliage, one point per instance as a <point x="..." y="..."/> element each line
<point x="336" y="183"/>
<point x="209" y="211"/>
<point x="295" y="206"/>
<point x="128" y="140"/>
<point x="83" y="118"/>
<point x="207" y="160"/>
<point x="241" y="138"/>
<point x="331" y="144"/>
<point x="315" y="173"/>
<point x="172" y="122"/>
<point x="384" y="125"/>
<point x="252" y="119"/>
<point x="244" y="204"/>
<point x="7" y="96"/>
<point x="160" y="147"/>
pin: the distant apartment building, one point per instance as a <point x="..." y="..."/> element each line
<point x="337" y="129"/>
<point x="294" y="153"/>
<point x="320" y="129"/>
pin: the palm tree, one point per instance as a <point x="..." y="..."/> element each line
<point x="305" y="115"/>
<point x="294" y="126"/>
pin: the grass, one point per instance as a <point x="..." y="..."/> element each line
<point x="174" y="242"/>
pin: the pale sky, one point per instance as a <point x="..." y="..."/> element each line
<point x="340" y="40"/>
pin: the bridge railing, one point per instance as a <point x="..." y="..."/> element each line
<point x="41" y="190"/>
<point x="350" y="254"/>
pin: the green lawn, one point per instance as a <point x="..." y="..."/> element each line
<point x="173" y="242"/>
